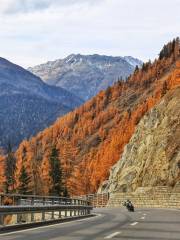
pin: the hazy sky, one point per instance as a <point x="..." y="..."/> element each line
<point x="35" y="31"/>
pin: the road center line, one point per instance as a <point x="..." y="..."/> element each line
<point x="112" y="235"/>
<point x="142" y="217"/>
<point x="134" y="223"/>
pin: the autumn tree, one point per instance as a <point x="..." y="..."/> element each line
<point x="37" y="158"/>
<point x="91" y="139"/>
<point x="164" y="88"/>
<point x="10" y="168"/>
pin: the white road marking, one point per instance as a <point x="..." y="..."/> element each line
<point x="144" y="214"/>
<point x="49" y="226"/>
<point x="134" y="223"/>
<point x="142" y="217"/>
<point x="112" y="235"/>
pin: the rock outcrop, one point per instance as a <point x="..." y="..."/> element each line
<point x="152" y="156"/>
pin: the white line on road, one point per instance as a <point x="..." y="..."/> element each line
<point x="144" y="214"/>
<point x="112" y="235"/>
<point x="134" y="223"/>
<point x="142" y="217"/>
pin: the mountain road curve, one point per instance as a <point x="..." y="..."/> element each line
<point x="109" y="223"/>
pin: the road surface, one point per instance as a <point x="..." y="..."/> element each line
<point x="116" y="223"/>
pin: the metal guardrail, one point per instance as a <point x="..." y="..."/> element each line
<point x="16" y="209"/>
<point x="19" y="199"/>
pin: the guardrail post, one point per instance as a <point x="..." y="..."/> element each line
<point x="32" y="214"/>
<point x="60" y="214"/>
<point x="43" y="213"/>
<point x="1" y="219"/>
<point x="1" y="216"/>
<point x="18" y="215"/>
<point x="52" y="216"/>
<point x="82" y="212"/>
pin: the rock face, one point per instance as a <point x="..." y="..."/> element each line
<point x="27" y="104"/>
<point x="86" y="75"/>
<point x="152" y="157"/>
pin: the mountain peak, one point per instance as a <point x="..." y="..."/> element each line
<point x="86" y="75"/>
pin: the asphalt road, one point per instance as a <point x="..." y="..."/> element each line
<point x="116" y="223"/>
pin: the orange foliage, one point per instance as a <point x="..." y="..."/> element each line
<point x="92" y="138"/>
<point x="2" y="177"/>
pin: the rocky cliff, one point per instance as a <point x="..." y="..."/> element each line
<point x="152" y="156"/>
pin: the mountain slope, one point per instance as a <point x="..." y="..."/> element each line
<point x="86" y="75"/>
<point x="27" y="104"/>
<point x="91" y="139"/>
<point x="152" y="156"/>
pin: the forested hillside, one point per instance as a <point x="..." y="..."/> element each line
<point x="27" y="104"/>
<point x="91" y="139"/>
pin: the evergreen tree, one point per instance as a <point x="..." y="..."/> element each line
<point x="24" y="180"/>
<point x="136" y="68"/>
<point x="65" y="192"/>
<point x="56" y="172"/>
<point x="10" y="168"/>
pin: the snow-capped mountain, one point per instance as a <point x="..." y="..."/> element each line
<point x="27" y="104"/>
<point x="85" y="75"/>
<point x="133" y="61"/>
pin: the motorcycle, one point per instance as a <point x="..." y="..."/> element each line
<point x="129" y="206"/>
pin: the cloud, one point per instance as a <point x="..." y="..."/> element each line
<point x="25" y="6"/>
<point x="42" y="30"/>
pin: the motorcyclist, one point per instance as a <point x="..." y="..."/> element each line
<point x="128" y="204"/>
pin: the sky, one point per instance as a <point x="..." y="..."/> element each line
<point x="36" y="31"/>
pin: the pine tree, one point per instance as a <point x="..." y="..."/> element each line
<point x="65" y="192"/>
<point x="24" y="180"/>
<point x="56" y="172"/>
<point x="136" y="68"/>
<point x="10" y="168"/>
